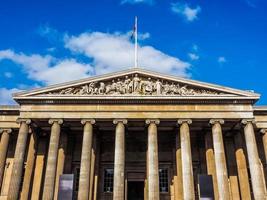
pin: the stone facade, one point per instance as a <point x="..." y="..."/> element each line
<point x="134" y="134"/>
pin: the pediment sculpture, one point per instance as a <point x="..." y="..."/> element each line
<point x="135" y="85"/>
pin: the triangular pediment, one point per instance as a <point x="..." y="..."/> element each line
<point x="134" y="83"/>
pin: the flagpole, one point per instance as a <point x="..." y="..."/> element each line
<point x="135" y="45"/>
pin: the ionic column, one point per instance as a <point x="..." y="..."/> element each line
<point x="93" y="165"/>
<point x="220" y="161"/>
<point x="187" y="169"/>
<point x="29" y="167"/>
<point x="242" y="167"/>
<point x="51" y="166"/>
<point x="178" y="179"/>
<point x="36" y="189"/>
<point x="16" y="176"/>
<point x="211" y="168"/>
<point x="96" y="174"/>
<point x="60" y="160"/>
<point x="3" y="150"/>
<point x="256" y="173"/>
<point x="83" y="193"/>
<point x="153" y="162"/>
<point x="264" y="141"/>
<point x="119" y="160"/>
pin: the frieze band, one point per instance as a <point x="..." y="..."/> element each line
<point x="135" y="85"/>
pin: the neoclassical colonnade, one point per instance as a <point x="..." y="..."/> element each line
<point x="185" y="182"/>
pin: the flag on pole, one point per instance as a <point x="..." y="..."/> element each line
<point x="133" y="33"/>
<point x="134" y="36"/>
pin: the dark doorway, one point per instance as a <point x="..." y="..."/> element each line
<point x="135" y="190"/>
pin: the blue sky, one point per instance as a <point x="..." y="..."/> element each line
<point x="47" y="42"/>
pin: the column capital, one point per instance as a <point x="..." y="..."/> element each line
<point x="246" y="121"/>
<point x="8" y="130"/>
<point x="181" y="121"/>
<point x="150" y="121"/>
<point x="91" y="121"/>
<point x="116" y="121"/>
<point x="27" y="121"/>
<point x="52" y="121"/>
<point x="213" y="121"/>
<point x="263" y="130"/>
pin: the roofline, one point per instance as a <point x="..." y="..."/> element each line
<point x="18" y="95"/>
<point x="260" y="108"/>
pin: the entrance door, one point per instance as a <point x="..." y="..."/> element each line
<point x="135" y="190"/>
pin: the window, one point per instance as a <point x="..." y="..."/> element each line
<point x="163" y="180"/>
<point x="108" y="180"/>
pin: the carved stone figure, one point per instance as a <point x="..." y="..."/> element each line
<point x="101" y="89"/>
<point x="91" y="87"/>
<point x="158" y="87"/>
<point x="128" y="85"/>
<point x="136" y="86"/>
<point x="136" y="82"/>
<point x="147" y="86"/>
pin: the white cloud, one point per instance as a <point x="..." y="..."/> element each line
<point x="195" y="47"/>
<point x="6" y="96"/>
<point x="8" y="74"/>
<point x="106" y="52"/>
<point x="190" y="14"/>
<point x="51" y="49"/>
<point x="113" y="52"/>
<point x="193" y="56"/>
<point x="48" y="69"/>
<point x="65" y="70"/>
<point x="222" y="59"/>
<point x="150" y="2"/>
<point x="143" y="36"/>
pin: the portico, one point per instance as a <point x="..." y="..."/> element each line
<point x="130" y="129"/>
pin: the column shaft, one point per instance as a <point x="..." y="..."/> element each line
<point x="39" y="169"/>
<point x="3" y="151"/>
<point x="187" y="169"/>
<point x="264" y="141"/>
<point x="28" y="176"/>
<point x="60" y="161"/>
<point x="16" y="176"/>
<point x="51" y="166"/>
<point x="153" y="163"/>
<point x="242" y="168"/>
<point x="220" y="161"/>
<point x="92" y="170"/>
<point x="96" y="175"/>
<point x="211" y="168"/>
<point x="257" y="177"/>
<point x="119" y="160"/>
<point x="83" y="193"/>
<point x="179" y="177"/>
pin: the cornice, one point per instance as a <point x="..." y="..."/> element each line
<point x="124" y="101"/>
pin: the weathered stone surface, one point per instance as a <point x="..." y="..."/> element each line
<point x="16" y="176"/>
<point x="119" y="160"/>
<point x="50" y="172"/>
<point x="256" y="172"/>
<point x="220" y="160"/>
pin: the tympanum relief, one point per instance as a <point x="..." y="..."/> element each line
<point x="135" y="85"/>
